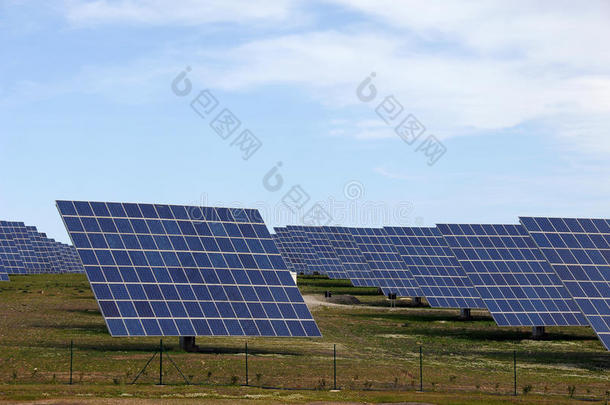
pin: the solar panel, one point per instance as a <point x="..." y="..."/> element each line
<point x="385" y="262"/>
<point x="291" y="255"/>
<point x="356" y="267"/>
<point x="29" y="258"/>
<point x="516" y="283"/>
<point x="280" y="247"/>
<point x="300" y="245"/>
<point x="169" y="270"/>
<point x="436" y="270"/>
<point x="3" y="273"/>
<point x="329" y="262"/>
<point x="9" y="254"/>
<point x="579" y="252"/>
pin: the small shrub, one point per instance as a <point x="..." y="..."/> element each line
<point x="452" y="378"/>
<point x="116" y="381"/>
<point x="321" y="384"/>
<point x="259" y="376"/>
<point x="571" y="390"/>
<point x="234" y="380"/>
<point x="527" y="389"/>
<point x="209" y="375"/>
<point x="368" y="384"/>
<point x="497" y="386"/>
<point x="395" y="382"/>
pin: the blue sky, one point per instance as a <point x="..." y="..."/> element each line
<point x="518" y="95"/>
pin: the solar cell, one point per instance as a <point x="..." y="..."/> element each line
<point x="516" y="283"/>
<point x="385" y="262"/>
<point x="578" y="249"/>
<point x="436" y="270"/>
<point x="356" y="267"/>
<point x="329" y="262"/>
<point x="169" y="270"/>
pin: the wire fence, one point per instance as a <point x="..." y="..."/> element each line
<point x="328" y="367"/>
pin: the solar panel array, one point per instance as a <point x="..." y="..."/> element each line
<point x="385" y="262"/>
<point x="292" y="257"/>
<point x="436" y="270"/>
<point x="24" y="250"/>
<point x="511" y="275"/>
<point x="301" y="248"/>
<point x="328" y="261"/>
<point x="167" y="270"/>
<point x="579" y="252"/>
<point x="353" y="261"/>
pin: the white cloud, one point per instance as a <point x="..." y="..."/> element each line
<point x="460" y="67"/>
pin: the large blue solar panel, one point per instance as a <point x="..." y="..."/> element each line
<point x="579" y="252"/>
<point x="290" y="253"/>
<point x="436" y="270"/>
<point x="356" y="267"/>
<point x="330" y="264"/>
<point x="385" y="262"/>
<point x="280" y="247"/>
<point x="168" y="270"/>
<point x="516" y="283"/>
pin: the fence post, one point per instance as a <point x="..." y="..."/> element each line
<point x="246" y="363"/>
<point x="71" y="358"/>
<point x="335" y="365"/>
<point x="160" y="361"/>
<point x="515" y="372"/>
<point x="421" y="369"/>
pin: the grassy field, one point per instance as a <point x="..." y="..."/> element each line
<point x="464" y="362"/>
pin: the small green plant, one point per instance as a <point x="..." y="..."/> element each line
<point x="116" y="380"/>
<point x="259" y="376"/>
<point x="14" y="376"/>
<point x="395" y="382"/>
<point x="54" y="379"/>
<point x="368" y="384"/>
<point x="571" y="390"/>
<point x="527" y="389"/>
<point x="433" y="385"/>
<point x="452" y="378"/>
<point x="321" y="384"/>
<point x="497" y="387"/>
<point x="234" y="380"/>
<point x="209" y="375"/>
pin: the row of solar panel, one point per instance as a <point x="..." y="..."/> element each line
<point x="24" y="250"/>
<point x="158" y="269"/>
<point x="161" y="270"/>
<point x="543" y="272"/>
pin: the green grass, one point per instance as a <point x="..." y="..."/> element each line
<point x="320" y="284"/>
<point x="465" y="362"/>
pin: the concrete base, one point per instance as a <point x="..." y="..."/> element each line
<point x="417" y="301"/>
<point x="465" y="313"/>
<point x="538" y="332"/>
<point x="187" y="343"/>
